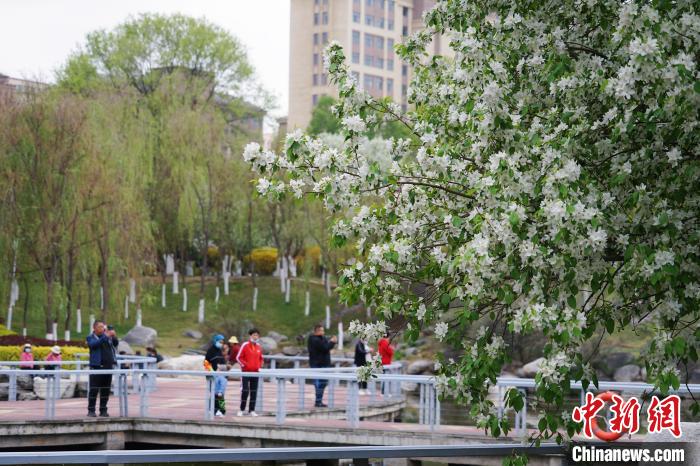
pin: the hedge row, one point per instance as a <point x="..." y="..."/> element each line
<point x="68" y="353"/>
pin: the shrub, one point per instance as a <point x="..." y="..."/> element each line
<point x="313" y="254"/>
<point x="265" y="260"/>
<point x="6" y="331"/>
<point x="69" y="353"/>
<point x="18" y="340"/>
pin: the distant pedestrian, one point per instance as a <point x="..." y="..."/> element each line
<point x="386" y="351"/>
<point x="103" y="344"/>
<point x="319" y="357"/>
<point x="53" y="356"/>
<point x="250" y="357"/>
<point x="152" y="352"/>
<point x="233" y="352"/>
<point x="361" y="351"/>
<point x="26" y="358"/>
<point x="214" y="359"/>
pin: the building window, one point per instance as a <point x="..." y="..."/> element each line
<point x="356" y="57"/>
<point x="369" y="20"/>
<point x="356" y="37"/>
<point x="325" y="17"/>
<point x="325" y="38"/>
<point x="325" y="2"/>
<point x="315" y="79"/>
<point x="315" y="19"/>
<point x="369" y="60"/>
<point x="370" y="2"/>
<point x="404" y="31"/>
<point x="356" y="16"/>
<point x="368" y="40"/>
<point x="373" y="84"/>
<point x="391" y="6"/>
<point x="390" y="45"/>
<point x="381" y="4"/>
<point x="315" y="59"/>
<point x="314" y="99"/>
<point x="404" y="70"/>
<point x="315" y="38"/>
<point x="403" y="90"/>
<point x="317" y="2"/>
<point x="379" y="62"/>
<point x="405" y="11"/>
<point x="324" y="79"/>
<point x="356" y="75"/>
<point x="380" y="22"/>
<point x="390" y="24"/>
<point x="389" y="86"/>
<point x="390" y="64"/>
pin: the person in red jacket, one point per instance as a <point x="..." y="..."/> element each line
<point x="250" y="358"/>
<point x="387" y="353"/>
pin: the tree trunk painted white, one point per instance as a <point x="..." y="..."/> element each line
<point x="283" y="279"/>
<point x="8" y="321"/>
<point x="288" y="291"/>
<point x="323" y="276"/>
<point x="225" y="264"/>
<point x="227" y="276"/>
<point x="184" y="299"/>
<point x="132" y="291"/>
<point x="92" y="322"/>
<point x="341" y="335"/>
<point x="102" y="298"/>
<point x="276" y="273"/>
<point x="239" y="269"/>
<point x="24" y="331"/>
<point x="369" y="312"/>
<point x="66" y="335"/>
<point x="54" y="329"/>
<point x="216" y="297"/>
<point x="14" y="293"/>
<point x="176" y="283"/>
<point x="200" y="311"/>
<point x="328" y="285"/>
<point x="78" y="321"/>
<point x="307" y="306"/>
<point x="139" y="318"/>
<point x="162" y="296"/>
<point x="328" y="317"/>
<point x="255" y="298"/>
<point x="169" y="264"/>
<point x="126" y="307"/>
<point x="292" y="266"/>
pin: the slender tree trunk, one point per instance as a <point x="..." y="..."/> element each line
<point x="26" y="303"/>
<point x="104" y="275"/>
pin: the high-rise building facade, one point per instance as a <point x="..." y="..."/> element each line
<point x="367" y="30"/>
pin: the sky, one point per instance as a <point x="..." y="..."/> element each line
<point x="36" y="36"/>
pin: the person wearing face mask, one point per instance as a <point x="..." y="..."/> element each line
<point x="213" y="359"/>
<point x="26" y="358"/>
<point x="250" y="357"/>
<point x="103" y="344"/>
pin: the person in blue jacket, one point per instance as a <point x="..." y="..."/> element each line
<point x="103" y="344"/>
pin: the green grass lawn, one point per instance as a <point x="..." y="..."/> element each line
<point x="230" y="315"/>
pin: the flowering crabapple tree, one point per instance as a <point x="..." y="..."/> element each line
<point x="552" y="185"/>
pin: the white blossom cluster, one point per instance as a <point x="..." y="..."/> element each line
<point x="552" y="185"/>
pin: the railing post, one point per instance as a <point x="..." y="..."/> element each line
<point x="421" y="404"/>
<point x="144" y="395"/>
<point x="500" y="402"/>
<point x="352" y="406"/>
<point x="12" y="389"/>
<point x="123" y="396"/>
<point x="331" y="393"/>
<point x="522" y="428"/>
<point x="301" y="381"/>
<point x="281" y="401"/>
<point x="259" y="397"/>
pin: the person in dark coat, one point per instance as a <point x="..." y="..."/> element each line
<point x="361" y="351"/>
<point x="215" y="357"/>
<point x="319" y="357"/>
<point x="103" y="344"/>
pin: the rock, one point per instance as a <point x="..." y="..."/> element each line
<point x="410" y="351"/>
<point x="627" y="373"/>
<point x="25" y="382"/>
<point x="124" y="346"/>
<point x="141" y="336"/>
<point x="613" y="361"/>
<point x="530" y="369"/>
<point x="81" y="389"/>
<point x="4" y="391"/>
<point x="277" y="337"/>
<point x="67" y="388"/>
<point x="23" y="395"/>
<point x="194" y="334"/>
<point x="409" y="386"/>
<point x="4" y="377"/>
<point x="421" y="366"/>
<point x="268" y="344"/>
<point x="183" y="363"/>
<point x="694" y="376"/>
<point x="291" y="351"/>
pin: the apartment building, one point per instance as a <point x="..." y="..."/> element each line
<point x="367" y="30"/>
